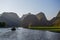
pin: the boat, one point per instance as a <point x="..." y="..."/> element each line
<point x="13" y="29"/>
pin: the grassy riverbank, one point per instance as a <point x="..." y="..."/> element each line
<point x="55" y="29"/>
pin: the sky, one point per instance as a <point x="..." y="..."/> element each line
<point x="49" y="7"/>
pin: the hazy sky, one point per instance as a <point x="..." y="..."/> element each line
<point x="49" y="7"/>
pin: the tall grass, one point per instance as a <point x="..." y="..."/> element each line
<point x="52" y="28"/>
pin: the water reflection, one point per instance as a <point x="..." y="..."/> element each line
<point x="28" y="34"/>
<point x="52" y="35"/>
<point x="10" y="35"/>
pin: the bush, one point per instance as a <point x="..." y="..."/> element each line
<point x="2" y="24"/>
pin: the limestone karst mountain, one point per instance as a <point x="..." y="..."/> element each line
<point x="10" y="18"/>
<point x="56" y="20"/>
<point x="42" y="19"/>
<point x="58" y="15"/>
<point x="52" y="20"/>
<point x="29" y="20"/>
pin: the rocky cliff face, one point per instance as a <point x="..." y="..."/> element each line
<point x="41" y="16"/>
<point x="11" y="19"/>
<point x="56" y="20"/>
<point x="58" y="15"/>
<point x="42" y="19"/>
<point x="29" y="20"/>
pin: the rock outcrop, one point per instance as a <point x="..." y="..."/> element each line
<point x="58" y="15"/>
<point x="42" y="19"/>
<point x="56" y="20"/>
<point x="29" y="20"/>
<point x="11" y="19"/>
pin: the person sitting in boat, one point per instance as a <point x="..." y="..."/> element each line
<point x="13" y="29"/>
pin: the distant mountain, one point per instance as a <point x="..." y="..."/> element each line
<point x="56" y="20"/>
<point x="42" y="19"/>
<point x="11" y="19"/>
<point x="52" y="20"/>
<point x="58" y="15"/>
<point x="29" y="20"/>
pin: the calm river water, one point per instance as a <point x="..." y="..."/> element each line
<point x="27" y="34"/>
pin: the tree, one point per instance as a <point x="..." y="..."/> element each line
<point x="2" y="24"/>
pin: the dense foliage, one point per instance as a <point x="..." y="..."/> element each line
<point x="2" y="24"/>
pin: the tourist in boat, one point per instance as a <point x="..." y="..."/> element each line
<point x="13" y="29"/>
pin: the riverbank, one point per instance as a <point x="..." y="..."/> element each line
<point x="53" y="29"/>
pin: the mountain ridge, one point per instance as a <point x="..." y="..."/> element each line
<point x="12" y="19"/>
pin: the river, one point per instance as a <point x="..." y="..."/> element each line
<point x="27" y="34"/>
